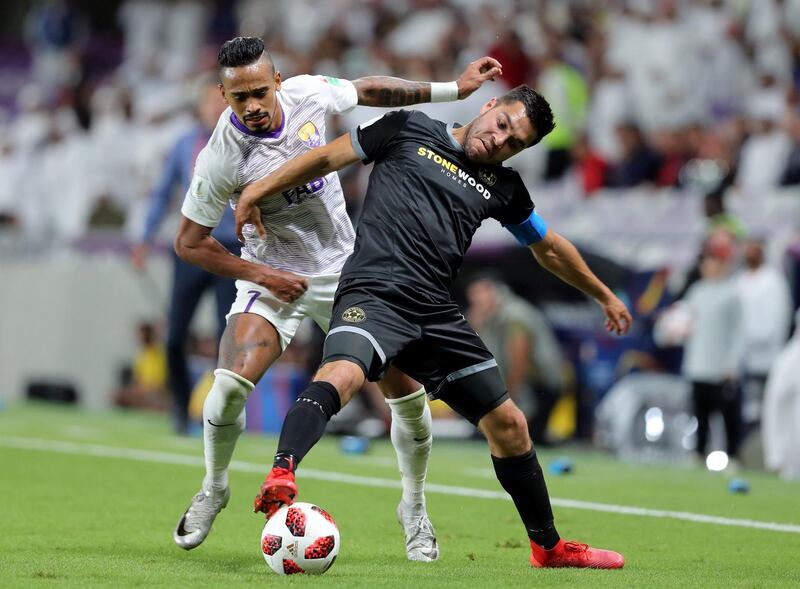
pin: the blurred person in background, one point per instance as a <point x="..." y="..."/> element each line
<point x="566" y="90"/>
<point x="144" y="383"/>
<point x="637" y="164"/>
<point x="589" y="166"/>
<point x="718" y="218"/>
<point x="766" y="319"/>
<point x="713" y="349"/>
<point x="292" y="271"/>
<point x="766" y="151"/>
<point x="189" y="282"/>
<point x="525" y="347"/>
<point x="55" y="32"/>
<point x="781" y="420"/>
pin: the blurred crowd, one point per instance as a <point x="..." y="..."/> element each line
<point x="662" y="93"/>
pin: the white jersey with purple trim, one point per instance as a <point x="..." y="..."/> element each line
<point x="308" y="230"/>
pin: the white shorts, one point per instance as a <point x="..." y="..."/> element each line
<point x="315" y="303"/>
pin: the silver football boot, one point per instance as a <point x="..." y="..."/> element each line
<point x="196" y="522"/>
<point x="420" y="536"/>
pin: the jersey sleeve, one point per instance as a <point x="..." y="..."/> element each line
<point x="336" y="94"/>
<point x="213" y="184"/>
<point x="520" y="218"/>
<point x="372" y="138"/>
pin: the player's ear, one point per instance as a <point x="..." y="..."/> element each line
<point x="222" y="92"/>
<point x="277" y="80"/>
<point x="489" y="105"/>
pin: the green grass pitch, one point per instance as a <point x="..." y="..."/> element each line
<point x="90" y="500"/>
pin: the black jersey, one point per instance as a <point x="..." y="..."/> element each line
<point x="424" y="202"/>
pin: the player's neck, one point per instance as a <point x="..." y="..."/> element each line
<point x="460" y="133"/>
<point x="277" y="116"/>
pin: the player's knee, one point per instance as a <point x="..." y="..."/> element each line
<point x="506" y="430"/>
<point x="346" y="376"/>
<point x="397" y="385"/>
<point x="227" y="397"/>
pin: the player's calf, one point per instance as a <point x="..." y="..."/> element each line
<point x="302" y="428"/>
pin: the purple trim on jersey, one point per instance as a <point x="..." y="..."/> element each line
<point x="263" y="134"/>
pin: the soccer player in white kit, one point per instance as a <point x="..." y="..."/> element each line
<point x="294" y="272"/>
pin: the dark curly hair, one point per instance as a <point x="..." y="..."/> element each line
<point x="241" y="51"/>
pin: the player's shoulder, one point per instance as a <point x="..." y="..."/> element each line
<point x="305" y="86"/>
<point x="223" y="151"/>
<point x="412" y="122"/>
<point x="509" y="175"/>
<point x="422" y="119"/>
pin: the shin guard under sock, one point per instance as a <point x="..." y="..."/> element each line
<point x="305" y="423"/>
<point x="522" y="478"/>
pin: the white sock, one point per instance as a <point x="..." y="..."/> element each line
<point x="411" y="438"/>
<point x="223" y="422"/>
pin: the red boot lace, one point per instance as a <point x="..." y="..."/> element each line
<point x="575" y="547"/>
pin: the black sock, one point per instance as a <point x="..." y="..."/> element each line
<point x="305" y="423"/>
<point x="522" y="478"/>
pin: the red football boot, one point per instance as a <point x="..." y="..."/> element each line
<point x="574" y="554"/>
<point x="279" y="489"/>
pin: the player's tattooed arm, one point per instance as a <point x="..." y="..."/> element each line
<point x="389" y="91"/>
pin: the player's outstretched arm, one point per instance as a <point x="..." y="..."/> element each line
<point x="195" y="245"/>
<point x="559" y="256"/>
<point x="389" y="91"/>
<point x="313" y="164"/>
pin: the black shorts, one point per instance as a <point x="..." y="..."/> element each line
<point x="377" y="324"/>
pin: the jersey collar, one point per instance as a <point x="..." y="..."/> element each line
<point x="274" y="134"/>
<point x="453" y="141"/>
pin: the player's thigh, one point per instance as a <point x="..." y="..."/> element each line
<point x="249" y="346"/>
<point x="366" y="330"/>
<point x="319" y="299"/>
<point x="455" y="366"/>
<point x="284" y="317"/>
<point x="259" y="327"/>
<point x="396" y="384"/>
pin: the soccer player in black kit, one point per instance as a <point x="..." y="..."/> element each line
<point x="431" y="187"/>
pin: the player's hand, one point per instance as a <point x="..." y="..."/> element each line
<point x="247" y="212"/>
<point x="618" y="318"/>
<point x="479" y="71"/>
<point x="284" y="285"/>
<point x="139" y="254"/>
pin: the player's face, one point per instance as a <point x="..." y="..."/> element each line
<point x="501" y="131"/>
<point x="250" y="90"/>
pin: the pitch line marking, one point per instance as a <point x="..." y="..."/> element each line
<point x="64" y="447"/>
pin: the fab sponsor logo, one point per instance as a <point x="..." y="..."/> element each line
<point x="300" y="194"/>
<point x="454" y="172"/>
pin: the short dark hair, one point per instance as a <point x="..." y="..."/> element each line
<point x="537" y="109"/>
<point x="241" y="51"/>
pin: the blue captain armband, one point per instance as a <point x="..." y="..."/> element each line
<point x="530" y="231"/>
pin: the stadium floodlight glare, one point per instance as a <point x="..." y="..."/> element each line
<point x="653" y="424"/>
<point x="717" y="461"/>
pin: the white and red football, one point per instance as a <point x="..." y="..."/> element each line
<point x="300" y="538"/>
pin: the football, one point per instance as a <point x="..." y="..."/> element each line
<point x="300" y="538"/>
